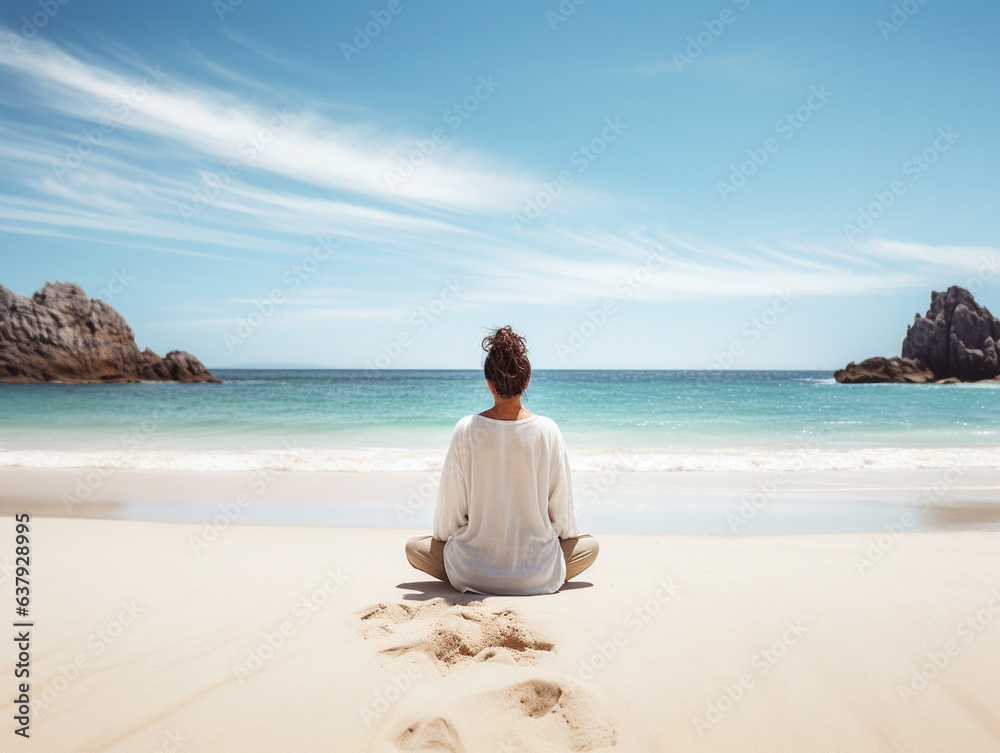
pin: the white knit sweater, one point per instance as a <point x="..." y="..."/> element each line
<point x="505" y="500"/>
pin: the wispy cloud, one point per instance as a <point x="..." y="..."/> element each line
<point x="348" y="157"/>
<point x="324" y="176"/>
<point x="752" y="67"/>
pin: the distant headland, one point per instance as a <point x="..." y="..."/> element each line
<point x="956" y="341"/>
<point x="61" y="335"/>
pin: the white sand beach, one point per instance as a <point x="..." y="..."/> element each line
<point x="321" y="638"/>
<point x="304" y="304"/>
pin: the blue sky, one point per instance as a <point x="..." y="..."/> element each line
<point x="632" y="185"/>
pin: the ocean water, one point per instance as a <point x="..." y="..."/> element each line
<point x="401" y="420"/>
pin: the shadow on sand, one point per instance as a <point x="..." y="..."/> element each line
<point x="423" y="590"/>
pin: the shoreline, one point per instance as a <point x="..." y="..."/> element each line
<point x="703" y="502"/>
<point x="807" y="456"/>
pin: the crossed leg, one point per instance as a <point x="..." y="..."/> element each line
<point x="426" y="553"/>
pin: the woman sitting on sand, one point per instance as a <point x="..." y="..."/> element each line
<point x="504" y="521"/>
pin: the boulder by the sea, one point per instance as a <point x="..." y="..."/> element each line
<point x="957" y="340"/>
<point x="878" y="369"/>
<point x="61" y="335"/>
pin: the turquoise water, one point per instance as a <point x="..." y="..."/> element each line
<point x="417" y="409"/>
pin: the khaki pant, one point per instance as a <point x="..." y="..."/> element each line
<point x="427" y="554"/>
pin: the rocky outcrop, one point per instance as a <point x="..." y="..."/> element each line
<point x="956" y="338"/>
<point x="955" y="341"/>
<point x="878" y="369"/>
<point x="61" y="335"/>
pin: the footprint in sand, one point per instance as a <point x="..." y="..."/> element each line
<point x="503" y="713"/>
<point x="515" y="707"/>
<point x="452" y="635"/>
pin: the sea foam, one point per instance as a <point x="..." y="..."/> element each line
<point x="392" y="459"/>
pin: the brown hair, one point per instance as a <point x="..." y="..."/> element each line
<point x="506" y="365"/>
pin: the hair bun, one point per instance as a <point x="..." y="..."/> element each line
<point x="506" y="365"/>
